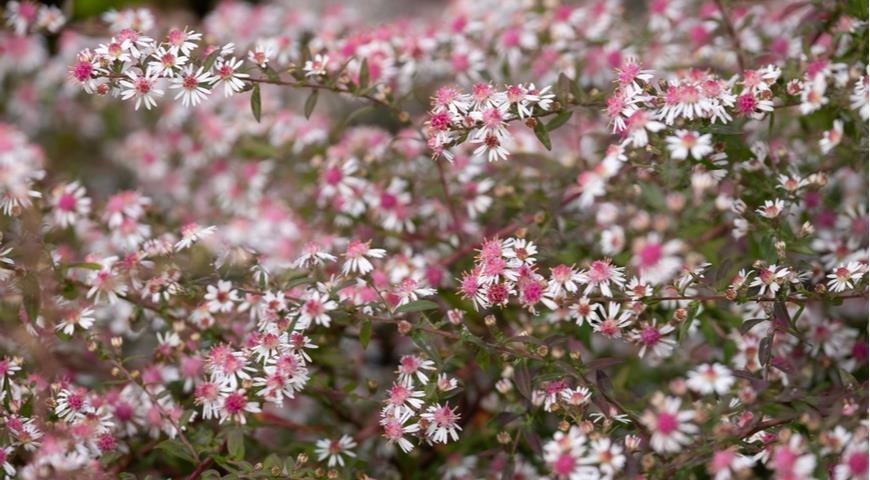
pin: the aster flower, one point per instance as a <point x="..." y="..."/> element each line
<point x="70" y="203"/>
<point x="335" y="450"/>
<point x="142" y="88"/>
<point x="357" y="255"/>
<point x="670" y="427"/>
<point x="191" y="86"/>
<point x="845" y="276"/>
<point x="226" y="73"/>
<point x="317" y="66"/>
<point x="685" y="142"/>
<point x="221" y="298"/>
<point x="443" y="422"/>
<point x="708" y="379"/>
<point x="395" y="427"/>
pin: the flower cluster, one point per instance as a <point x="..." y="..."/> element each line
<point x="571" y="240"/>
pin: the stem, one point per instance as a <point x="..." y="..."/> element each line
<point x="735" y="38"/>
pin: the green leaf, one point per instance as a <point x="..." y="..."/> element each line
<point x="177" y="449"/>
<point x="543" y="135"/>
<point x="236" y="444"/>
<point x="31" y="295"/>
<point x="365" y="333"/>
<point x="311" y="102"/>
<point x="559" y="120"/>
<point x="364" y="75"/>
<point x="210" y="59"/>
<point x="417" y="306"/>
<point x="86" y="265"/>
<point x="256" y="106"/>
<point x="858" y="9"/>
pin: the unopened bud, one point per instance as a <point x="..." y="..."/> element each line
<point x="404" y="327"/>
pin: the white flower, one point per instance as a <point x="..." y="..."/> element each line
<point x="707" y="379"/>
<point x="315" y="307"/>
<point x="831" y="138"/>
<point x="83" y="319"/>
<point x="69" y="203"/>
<point x="685" y="142"/>
<point x="192" y="233"/>
<point x="317" y="66"/>
<point x="771" y="208"/>
<point x="141" y="87"/>
<point x="845" y="276"/>
<point x="669" y="425"/>
<point x="221" y="298"/>
<point x="226" y="73"/>
<point x="395" y="430"/>
<point x="190" y="86"/>
<point x="443" y="423"/>
<point x="335" y="450"/>
<point x="355" y="257"/>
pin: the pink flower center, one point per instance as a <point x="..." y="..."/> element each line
<point x="666" y="423"/>
<point x="564" y="465"/>
<point x="67" y="202"/>
<point x="234" y="403"/>
<point x="650" y="336"/>
<point x="650" y="255"/>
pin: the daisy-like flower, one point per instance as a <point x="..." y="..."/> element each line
<point x="654" y="339"/>
<point x="191" y="86"/>
<point x="813" y="95"/>
<point x="261" y="54"/>
<point x="316" y="67"/>
<point x="142" y="88"/>
<point x="445" y="383"/>
<point x="315" y="307"/>
<point x="402" y="397"/>
<point x="519" y="251"/>
<point x="395" y="428"/>
<point x="771" y="208"/>
<point x="831" y="138"/>
<point x="637" y="125"/>
<point x="228" y="367"/>
<point x="182" y="40"/>
<point x="443" y="422"/>
<point x="234" y="405"/>
<point x="411" y="367"/>
<point x="165" y="63"/>
<point x="221" y="298"/>
<point x="611" y="323"/>
<point x="769" y="279"/>
<point x="105" y="282"/>
<point x="566" y="456"/>
<point x="600" y="274"/>
<point x="670" y="427"/>
<point x="5" y="453"/>
<point x="584" y="311"/>
<point x="563" y="278"/>
<point x="313" y="255"/>
<point x="355" y="257"/>
<point x="860" y="97"/>
<point x="708" y="379"/>
<point x="792" y="460"/>
<point x="684" y="142"/>
<point x="70" y="203"/>
<point x="71" y="405"/>
<point x="335" y="450"/>
<point x="845" y="276"/>
<point x="192" y="233"/>
<point x="576" y="396"/>
<point x="75" y="318"/>
<point x="226" y="73"/>
<point x="656" y="261"/>
<point x="637" y="289"/>
<point x="728" y="463"/>
<point x="792" y="183"/>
